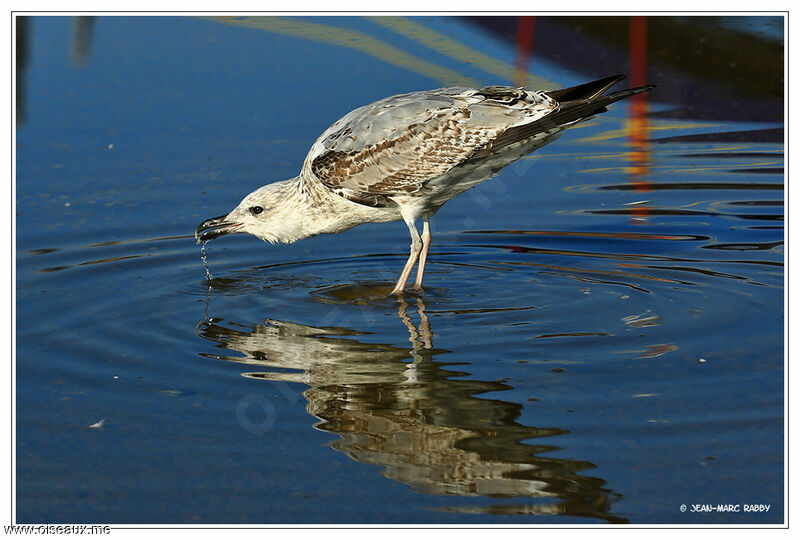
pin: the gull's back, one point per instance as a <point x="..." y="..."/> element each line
<point x="396" y="145"/>
<point x="435" y="144"/>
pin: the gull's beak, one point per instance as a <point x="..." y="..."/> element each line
<point x="214" y="227"/>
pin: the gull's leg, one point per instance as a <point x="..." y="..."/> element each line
<point x="423" y="256"/>
<point x="424" y="325"/>
<point x="416" y="247"/>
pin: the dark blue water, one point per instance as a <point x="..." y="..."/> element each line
<point x="600" y="339"/>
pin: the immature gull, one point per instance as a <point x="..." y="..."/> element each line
<point x="404" y="156"/>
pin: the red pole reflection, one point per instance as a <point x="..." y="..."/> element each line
<point x="638" y="52"/>
<point x="525" y="27"/>
<point x="640" y="151"/>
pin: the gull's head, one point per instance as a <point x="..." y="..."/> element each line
<point x="265" y="213"/>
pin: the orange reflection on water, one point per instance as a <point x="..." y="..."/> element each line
<point x="639" y="155"/>
<point x="525" y="26"/>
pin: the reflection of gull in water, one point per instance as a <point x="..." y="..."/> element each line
<point x="404" y="156"/>
<point x="403" y="410"/>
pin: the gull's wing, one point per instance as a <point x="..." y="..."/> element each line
<point x="395" y="145"/>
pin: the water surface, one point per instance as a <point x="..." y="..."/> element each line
<point x="600" y="339"/>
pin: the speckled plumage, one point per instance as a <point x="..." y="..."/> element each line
<point x="398" y="144"/>
<point x="404" y="156"/>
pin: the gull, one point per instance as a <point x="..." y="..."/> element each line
<point x="404" y="156"/>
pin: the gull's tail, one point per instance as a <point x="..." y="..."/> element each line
<point x="575" y="104"/>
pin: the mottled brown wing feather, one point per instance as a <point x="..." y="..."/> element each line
<point x="402" y="164"/>
<point x="398" y="144"/>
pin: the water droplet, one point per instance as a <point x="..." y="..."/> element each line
<point x="209" y="277"/>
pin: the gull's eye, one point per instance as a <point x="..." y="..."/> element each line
<point x="256" y="210"/>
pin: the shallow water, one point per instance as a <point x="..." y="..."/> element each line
<point x="600" y="339"/>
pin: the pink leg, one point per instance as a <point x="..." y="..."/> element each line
<point x="423" y="256"/>
<point x="416" y="247"/>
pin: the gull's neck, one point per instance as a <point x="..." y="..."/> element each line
<point x="307" y="208"/>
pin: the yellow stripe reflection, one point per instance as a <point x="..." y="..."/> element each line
<point x="353" y="40"/>
<point x="673" y="169"/>
<point x="628" y="129"/>
<point x="458" y="51"/>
